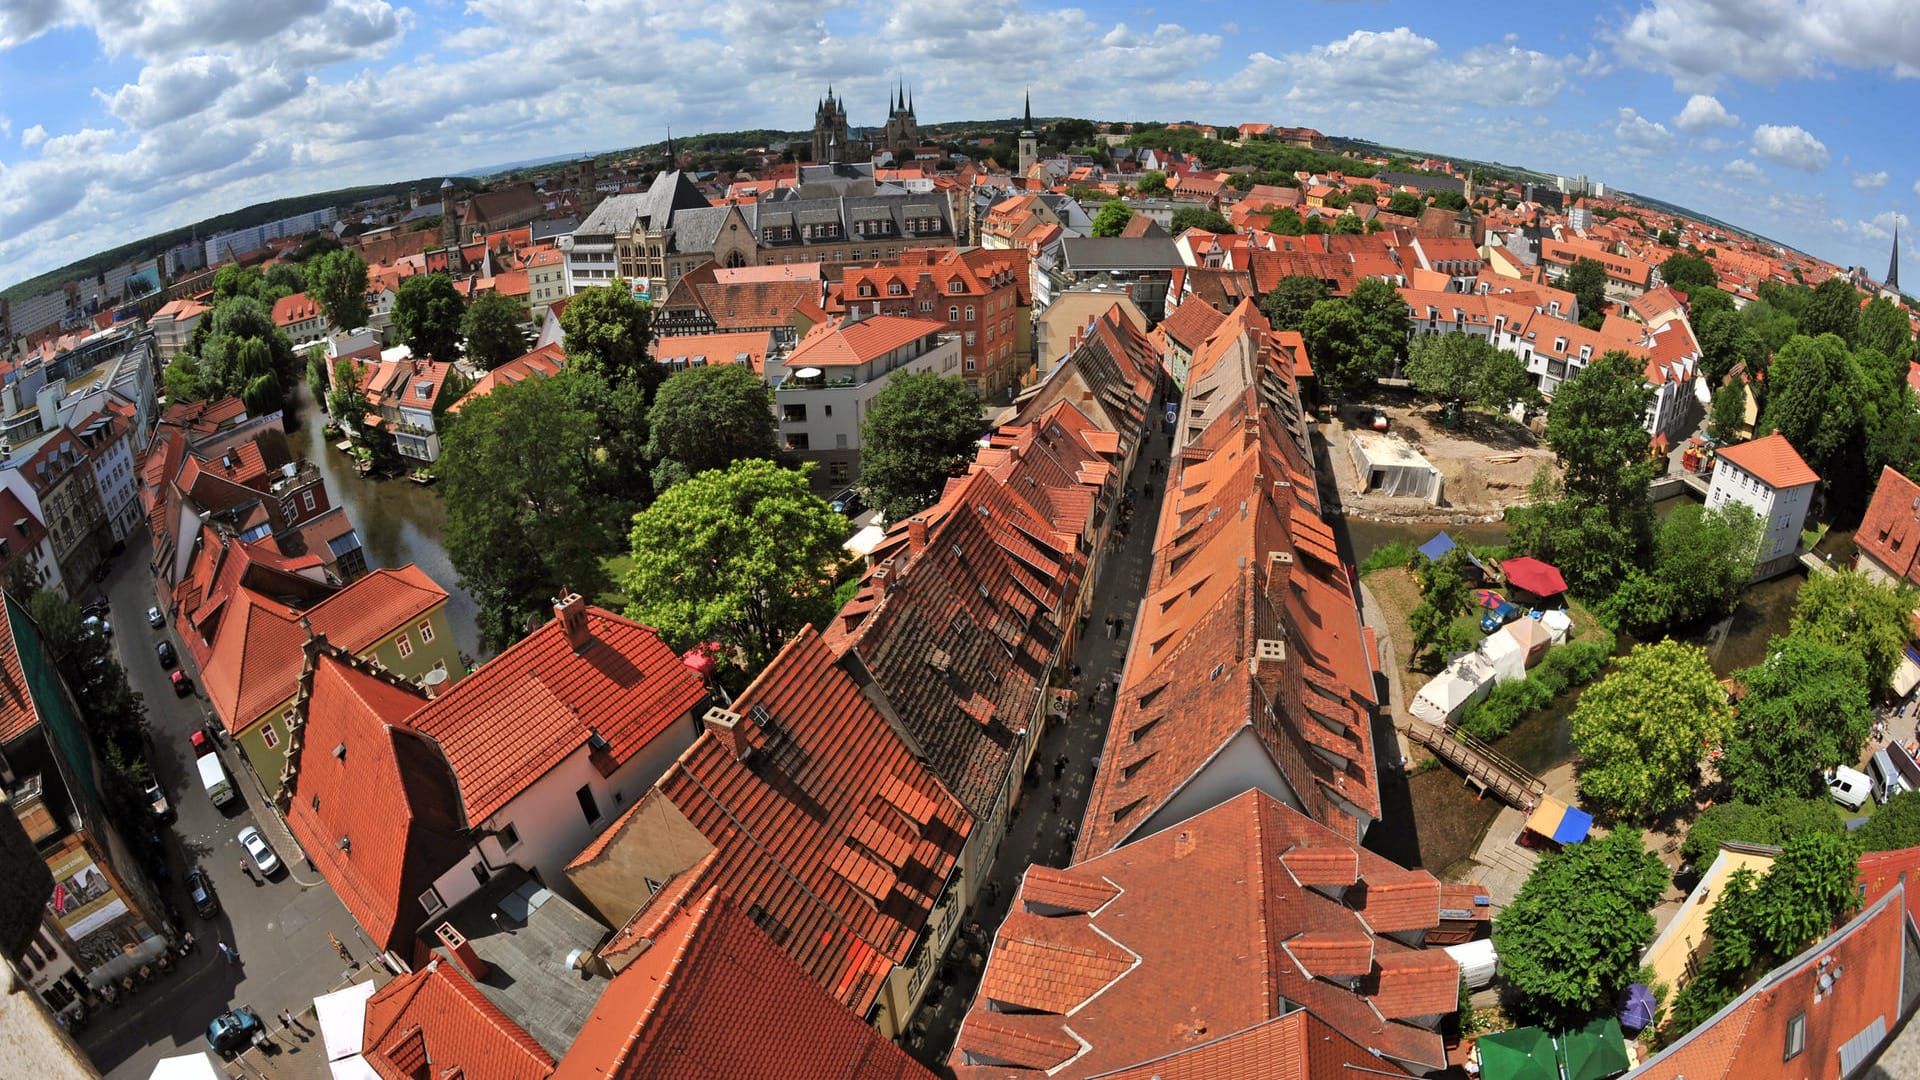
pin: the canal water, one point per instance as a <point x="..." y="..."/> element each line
<point x="1448" y="819"/>
<point x="399" y="521"/>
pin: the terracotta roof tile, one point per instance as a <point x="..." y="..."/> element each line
<point x="843" y="344"/>
<point x="1410" y="983"/>
<point x="1889" y="534"/>
<point x="1064" y="890"/>
<point x="434" y="1019"/>
<point x="1340" y="952"/>
<point x="1399" y="900"/>
<point x="1772" y="459"/>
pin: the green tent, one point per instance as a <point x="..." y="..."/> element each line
<point x="1594" y="1052"/>
<point x="1521" y="1054"/>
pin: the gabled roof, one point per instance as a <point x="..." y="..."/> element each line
<point x="1196" y="936"/>
<point x="295" y="308"/>
<point x="523" y="712"/>
<point x="434" y="1023"/>
<point x="547" y="360"/>
<point x="1191" y="323"/>
<point x="747" y="348"/>
<point x="1773" y="461"/>
<point x="18" y="713"/>
<point x="712" y="996"/>
<point x="845" y="344"/>
<point x="1889" y="534"/>
<point x="371" y="801"/>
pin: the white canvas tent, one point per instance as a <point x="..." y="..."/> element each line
<point x="1465" y="680"/>
<point x="1559" y="625"/>
<point x="1387" y="464"/>
<point x="197" y="1066"/>
<point x="1506" y="654"/>
<point x="342" y="1019"/>
<point x="1478" y="961"/>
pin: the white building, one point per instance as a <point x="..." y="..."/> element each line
<point x="823" y="387"/>
<point x="108" y="435"/>
<point x="1768" y="477"/>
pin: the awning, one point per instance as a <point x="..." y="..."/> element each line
<point x="187" y="1067"/>
<point x="342" y="1019"/>
<point x="1559" y="822"/>
<point x="1521" y="1054"/>
<point x="1534" y="576"/>
<point x="1595" y="1052"/>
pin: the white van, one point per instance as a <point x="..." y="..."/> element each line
<point x="1888" y="781"/>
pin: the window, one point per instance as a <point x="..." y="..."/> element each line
<point x="894" y="288"/>
<point x="953" y="314"/>
<point x="405" y="643"/>
<point x="306" y="499"/>
<point x="836" y="471"/>
<point x="426" y="632"/>
<point x="587" y="805"/>
<point x="969" y="312"/>
<point x="970" y="338"/>
<point x="270" y="735"/>
<point x="970" y="363"/>
<point x="1796" y="1036"/>
<point x="798" y="441"/>
<point x="926" y="305"/>
<point x="866" y="289"/>
<point x="956" y="287"/>
<point x="432" y="902"/>
<point x="510" y="836"/>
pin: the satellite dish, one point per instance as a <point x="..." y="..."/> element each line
<point x="808" y="373"/>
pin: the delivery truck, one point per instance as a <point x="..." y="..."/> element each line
<point x="213" y="776"/>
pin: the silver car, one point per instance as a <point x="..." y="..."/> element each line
<point x="259" y="851"/>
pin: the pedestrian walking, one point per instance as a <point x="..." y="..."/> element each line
<point x="1109" y="626"/>
<point x="1056" y="802"/>
<point x="247" y="869"/>
<point x="287" y="1018"/>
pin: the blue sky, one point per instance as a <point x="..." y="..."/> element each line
<point x="121" y="119"/>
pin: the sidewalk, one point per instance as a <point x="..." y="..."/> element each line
<point x="1036" y="833"/>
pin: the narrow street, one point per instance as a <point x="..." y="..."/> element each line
<point x="1037" y="833"/>
<point x="278" y="928"/>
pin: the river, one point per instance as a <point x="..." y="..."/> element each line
<point x="1448" y="819"/>
<point x="399" y="521"/>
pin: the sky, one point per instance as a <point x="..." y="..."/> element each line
<point x="123" y="118"/>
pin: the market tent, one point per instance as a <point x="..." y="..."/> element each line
<point x="1559" y="625"/>
<point x="1534" y="576"/>
<point x="1437" y="548"/>
<point x="1463" y="681"/>
<point x="1595" y="1052"/>
<point x="1477" y="959"/>
<point x="1907" y="675"/>
<point x="1639" y="1009"/>
<point x="1559" y="822"/>
<point x="1506" y="654"/>
<point x="1520" y="1054"/>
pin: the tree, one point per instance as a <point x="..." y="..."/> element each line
<point x="1450" y="200"/>
<point x="336" y="282"/>
<point x="1195" y="217"/>
<point x="1894" y="826"/>
<point x="1468" y="368"/>
<point x="744" y="556"/>
<point x="347" y="401"/>
<point x="1770" y="823"/>
<point x="918" y="429"/>
<point x="1814" y="398"/>
<point x="426" y="315"/>
<point x="1112" y="218"/>
<point x="285" y="278"/>
<point x="1286" y="304"/>
<point x="1727" y="340"/>
<point x="1285" y="221"/>
<point x="1445" y="596"/>
<point x="1571" y="939"/>
<point x="516" y="470"/>
<point x="707" y="418"/>
<point x="493" y="330"/>
<point x="1853" y="613"/>
<point x="608" y="330"/>
<point x="1337" y="340"/>
<point x="1689" y="273"/>
<point x="1883" y="328"/>
<point x="1643" y="729"/>
<point x="1348" y="225"/>
<point x="1834" y="308"/>
<point x="1363" y="193"/>
<point x="1587" y="281"/>
<point x="316" y="355"/>
<point x="1702" y="561"/>
<point x="1152" y="182"/>
<point x="1806" y="710"/>
<point x="1596" y="434"/>
<point x="1406" y="204"/>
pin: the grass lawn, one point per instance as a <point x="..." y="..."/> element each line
<point x="1398" y="595"/>
<point x="616" y="566"/>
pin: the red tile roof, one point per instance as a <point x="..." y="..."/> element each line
<point x="747" y="348"/>
<point x="1773" y="460"/>
<point x="18" y="714"/>
<point x="1889" y="534"/>
<point x="371" y="801"/>
<point x="830" y="828"/>
<point x="295" y="308"/>
<point x="712" y="996"/>
<point x="546" y="360"/>
<point x="843" y="344"/>
<point x="1206" y="937"/>
<point x="504" y="726"/>
<point x="1191" y="323"/>
<point x="433" y="1023"/>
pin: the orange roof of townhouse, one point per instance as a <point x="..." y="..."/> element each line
<point x="434" y="1022"/>
<point x="821" y="818"/>
<point x="1050" y="463"/>
<point x="1889" y="534"/>
<point x="512" y="283"/>
<point x="544" y="361"/>
<point x="1773" y="460"/>
<point x="295" y="308"/>
<point x="179" y="310"/>
<point x="371" y="801"/>
<point x="1114" y="370"/>
<point x="1270" y="267"/>
<point x="748" y="348"/>
<point x="844" y="344"/>
<point x="1193" y="939"/>
<point x="18" y="713"/>
<point x="1191" y="323"/>
<point x="959" y="621"/>
<point x="523" y="712"/>
<point x="713" y="996"/>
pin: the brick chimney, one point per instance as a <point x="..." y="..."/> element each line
<point x="571" y="610"/>
<point x="462" y="951"/>
<point x="725" y="725"/>
<point x="917" y="534"/>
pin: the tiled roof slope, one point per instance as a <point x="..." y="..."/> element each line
<point x="1051" y="465"/>
<point x="959" y="621"/>
<point x="18" y="713"/>
<point x="1249" y="625"/>
<point x="1191" y="323"/>
<point x="1188" y="952"/>
<point x="1297" y="1046"/>
<point x="1774" y="460"/>
<point x="1890" y="532"/>
<point x="370" y="800"/>
<point x="830" y="827"/>
<point x="433" y="1022"/>
<point x="504" y="726"/>
<point x="712" y="996"/>
<point x="1111" y="376"/>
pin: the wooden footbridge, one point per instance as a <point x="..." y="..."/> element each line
<point x="1485" y="768"/>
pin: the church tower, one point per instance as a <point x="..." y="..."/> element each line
<point x="902" y="135"/>
<point x="1029" y="141"/>
<point x="829" y="127"/>
<point x="449" y="223"/>
<point x="1893" y="263"/>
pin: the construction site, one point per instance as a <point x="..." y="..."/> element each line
<point x="1485" y="463"/>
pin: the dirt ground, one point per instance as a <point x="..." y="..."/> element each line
<point x="1487" y="463"/>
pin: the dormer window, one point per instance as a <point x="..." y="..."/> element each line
<point x="894" y="288"/>
<point x="956" y="287"/>
<point x="866" y="289"/>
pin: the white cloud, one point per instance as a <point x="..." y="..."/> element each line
<point x="1639" y="135"/>
<point x="1872" y="181"/>
<point x="1789" y="145"/>
<point x="1880" y="226"/>
<point x="1700" y="42"/>
<point x="1743" y="169"/>
<point x="1368" y="68"/>
<point x="1703" y="112"/>
<point x="36" y="135"/>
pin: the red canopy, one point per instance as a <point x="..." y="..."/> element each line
<point x="1534" y="576"/>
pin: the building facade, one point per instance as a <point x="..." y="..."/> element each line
<point x="823" y="388"/>
<point x="1768" y="477"/>
<point x="982" y="296"/>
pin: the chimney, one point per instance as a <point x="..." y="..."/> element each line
<point x="917" y="534"/>
<point x="461" y="951"/>
<point x="724" y="725"/>
<point x="571" y="610"/>
<point x="1279" y="576"/>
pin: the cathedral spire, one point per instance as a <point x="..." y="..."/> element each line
<point x="1893" y="263"/>
<point x="1029" y="124"/>
<point x="909" y="101"/>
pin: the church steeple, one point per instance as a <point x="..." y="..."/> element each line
<point x="1029" y="146"/>
<point x="1893" y="263"/>
<point x="1029" y="124"/>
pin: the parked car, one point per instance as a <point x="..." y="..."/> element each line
<point x="233" y="1030"/>
<point x="165" y="649"/>
<point x="849" y="502"/>
<point x="1849" y="787"/>
<point x="155" y="619"/>
<point x="98" y="607"/>
<point x="98" y="624"/>
<point x="1498" y="617"/>
<point x="182" y="686"/>
<point x="157" y="798"/>
<point x="200" y="891"/>
<point x="202" y="745"/>
<point x="259" y="851"/>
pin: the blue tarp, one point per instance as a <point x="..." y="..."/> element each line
<point x="1573" y="827"/>
<point x="1437" y="548"/>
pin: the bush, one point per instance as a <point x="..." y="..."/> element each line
<point x="1394" y="556"/>
<point x="1896" y="825"/>
<point x="1564" y="666"/>
<point x="1771" y="824"/>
